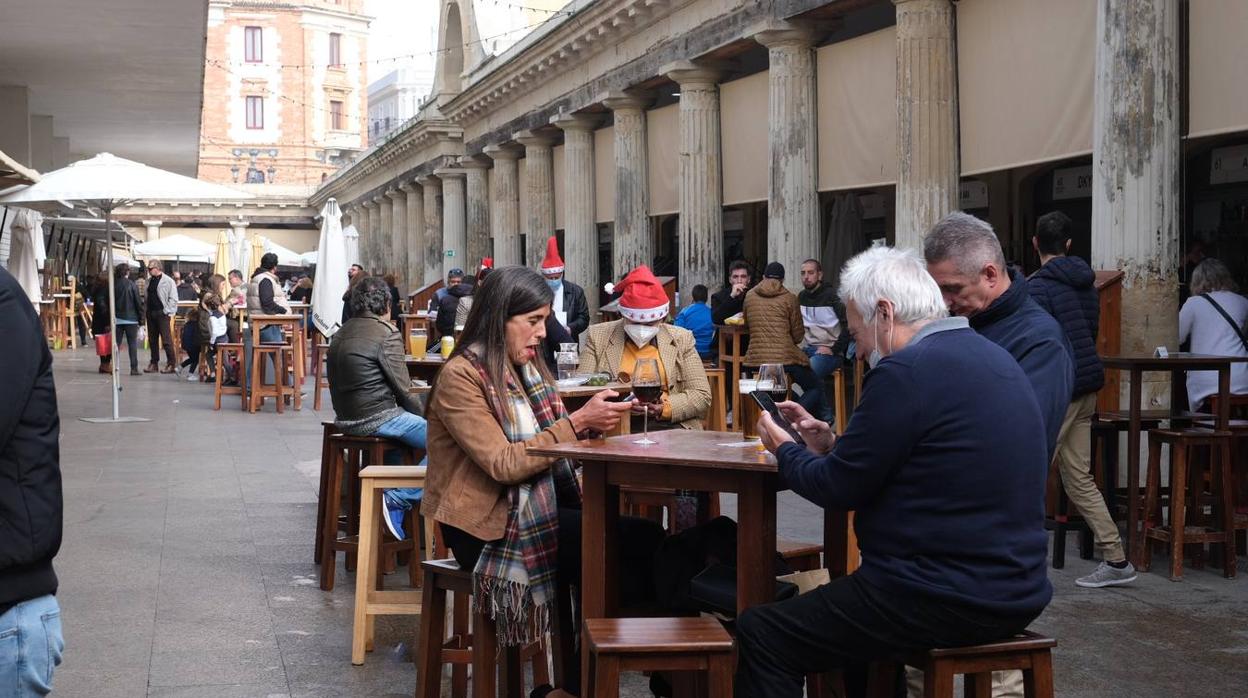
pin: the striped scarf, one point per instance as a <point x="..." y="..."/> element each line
<point x="515" y="575"/>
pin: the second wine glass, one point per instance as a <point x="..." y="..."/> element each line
<point x="648" y="388"/>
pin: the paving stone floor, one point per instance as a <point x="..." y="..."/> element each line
<point x="186" y="569"/>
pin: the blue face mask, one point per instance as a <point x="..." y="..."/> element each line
<point x="554" y="284"/>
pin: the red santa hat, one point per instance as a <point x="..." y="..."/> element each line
<point x="643" y="298"/>
<point x="553" y="263"/>
<point x="487" y="262"/>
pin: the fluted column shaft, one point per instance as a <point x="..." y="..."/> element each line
<point x="477" y="244"/>
<point x="385" y="228"/>
<point x="431" y="187"/>
<point x="792" y="150"/>
<point x="700" y="190"/>
<point x="580" y="230"/>
<point x="454" y="223"/>
<point x="539" y="184"/>
<point x="632" y="245"/>
<point x="368" y="236"/>
<point x="414" y="272"/>
<point x="398" y="236"/>
<point x="505" y="205"/>
<point x="927" y="117"/>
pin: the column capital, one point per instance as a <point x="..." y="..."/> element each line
<point x="368" y="203"/>
<point x="575" y="122"/>
<point x="693" y="74"/>
<point x="149" y="224"/>
<point x="450" y="173"/>
<point x="533" y="139"/>
<point x="615" y="100"/>
<point x="393" y="193"/>
<point x="429" y="181"/>
<point x="775" y="33"/>
<point x="498" y="151"/>
<point x="377" y="200"/>
<point x="475" y="162"/>
<point x="408" y="187"/>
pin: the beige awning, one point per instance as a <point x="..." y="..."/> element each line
<point x="604" y="174"/>
<point x="557" y="169"/>
<point x="1025" y="81"/>
<point x="743" y="132"/>
<point x="663" y="149"/>
<point x="1218" y="66"/>
<point x="857" y="106"/>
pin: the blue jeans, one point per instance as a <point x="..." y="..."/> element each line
<point x="822" y="364"/>
<point x="409" y="429"/>
<point x="30" y="647"/>
<point x="812" y="399"/>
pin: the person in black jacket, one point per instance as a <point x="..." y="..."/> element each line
<point x="445" y="323"/>
<point x="99" y="317"/>
<point x="129" y="310"/>
<point x="30" y="499"/>
<point x="1066" y="288"/>
<point x="730" y="299"/>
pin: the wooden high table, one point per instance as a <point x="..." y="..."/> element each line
<point x="1176" y="364"/>
<point x="731" y="358"/>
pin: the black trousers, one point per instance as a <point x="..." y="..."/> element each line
<point x="159" y="330"/>
<point x="639" y="539"/>
<point x="131" y="333"/>
<point x="845" y="625"/>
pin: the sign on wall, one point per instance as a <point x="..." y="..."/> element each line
<point x="972" y="195"/>
<point x="1072" y="183"/>
<point x="1229" y="164"/>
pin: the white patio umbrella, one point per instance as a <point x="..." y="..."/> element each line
<point x="105" y="182"/>
<point x="181" y="248"/>
<point x="309" y="258"/>
<point x="27" y="253"/>
<point x="352" y="238"/>
<point x="331" y="271"/>
<point x="240" y="252"/>
<point x="286" y="257"/>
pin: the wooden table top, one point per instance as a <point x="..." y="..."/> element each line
<point x="1175" y="361"/>
<point x="702" y="449"/>
<point x="426" y="360"/>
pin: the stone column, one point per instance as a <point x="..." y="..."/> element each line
<point x="431" y="187"/>
<point x="1136" y="169"/>
<point x="368" y="235"/>
<point x="454" y="230"/>
<point x="414" y="239"/>
<point x="383" y="229"/>
<point x="927" y="117"/>
<point x="505" y="205"/>
<point x="153" y="229"/>
<point x="539" y="183"/>
<point x="792" y="148"/>
<point x="632" y="182"/>
<point x="580" y="230"/>
<point x="700" y="190"/>
<point x="398" y="236"/>
<point x="477" y="244"/>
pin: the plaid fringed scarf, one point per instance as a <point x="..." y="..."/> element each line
<point x="515" y="575"/>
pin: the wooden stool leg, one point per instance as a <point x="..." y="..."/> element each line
<point x="254" y="402"/>
<point x="432" y="632"/>
<point x="719" y="675"/>
<point x="321" y="491"/>
<point x="1038" y="680"/>
<point x="1142" y="549"/>
<point x="937" y="680"/>
<point x="329" y="532"/>
<point x="460" y="628"/>
<point x="484" y="652"/>
<point x="279" y="379"/>
<point x="606" y="677"/>
<point x="1178" y="509"/>
<point x="1226" y="509"/>
<point x="365" y="568"/>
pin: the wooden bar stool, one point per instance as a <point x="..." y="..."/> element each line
<point x="370" y="600"/>
<point x="320" y="376"/>
<point x="347" y="456"/>
<point x="225" y="351"/>
<point x="478" y="648"/>
<point x="613" y="645"/>
<point x="1106" y="426"/>
<point x="277" y="389"/>
<point x="1185" y="486"/>
<point x="1027" y="651"/>
<point x="327" y="430"/>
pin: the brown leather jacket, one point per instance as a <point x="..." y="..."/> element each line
<point x="471" y="462"/>
<point x="774" y="320"/>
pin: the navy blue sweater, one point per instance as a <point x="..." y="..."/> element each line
<point x="943" y="463"/>
<point x="1066" y="288"/>
<point x="1017" y="324"/>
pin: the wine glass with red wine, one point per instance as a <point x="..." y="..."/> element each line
<point x="771" y="380"/>
<point x="648" y="389"/>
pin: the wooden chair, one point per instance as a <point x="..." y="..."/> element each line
<point x="226" y="350"/>
<point x="478" y="648"/>
<point x="717" y="415"/>
<point x="320" y="376"/>
<point x="613" y="645"/>
<point x="1187" y="484"/>
<point x="277" y="389"/>
<point x="1027" y="651"/>
<point x="370" y="600"/>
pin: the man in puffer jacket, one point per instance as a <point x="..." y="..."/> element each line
<point x="774" y="321"/>
<point x="1065" y="288"/>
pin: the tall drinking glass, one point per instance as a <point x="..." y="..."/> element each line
<point x="417" y="341"/>
<point x="772" y="380"/>
<point x="648" y="388"/>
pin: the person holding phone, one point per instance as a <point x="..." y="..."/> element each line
<point x="943" y="463"/>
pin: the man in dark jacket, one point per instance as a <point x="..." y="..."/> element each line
<point x="730" y="299"/>
<point x="943" y="466"/>
<point x="30" y="499"/>
<point x="1066" y="288"/>
<point x="369" y="384"/>
<point x="449" y="303"/>
<point x="964" y="257"/>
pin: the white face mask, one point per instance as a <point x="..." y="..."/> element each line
<point x="641" y="334"/>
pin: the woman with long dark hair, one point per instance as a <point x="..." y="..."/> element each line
<point x="511" y="518"/>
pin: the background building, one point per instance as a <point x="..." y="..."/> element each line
<point x="285" y="96"/>
<point x="395" y="98"/>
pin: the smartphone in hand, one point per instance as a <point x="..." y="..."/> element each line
<point x="768" y="404"/>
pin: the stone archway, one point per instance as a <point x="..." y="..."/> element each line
<point x="459" y="48"/>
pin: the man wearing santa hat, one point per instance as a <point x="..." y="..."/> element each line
<point x="616" y="347"/>
<point x="569" y="306"/>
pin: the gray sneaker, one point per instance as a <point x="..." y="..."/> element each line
<point x="1106" y="575"/>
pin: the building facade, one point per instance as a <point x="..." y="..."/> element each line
<point x="686" y="134"/>
<point x="285" y="98"/>
<point x="395" y="98"/>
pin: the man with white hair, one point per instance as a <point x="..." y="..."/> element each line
<point x="943" y="463"/>
<point x="964" y="257"/>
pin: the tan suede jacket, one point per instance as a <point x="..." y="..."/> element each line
<point x="471" y="462"/>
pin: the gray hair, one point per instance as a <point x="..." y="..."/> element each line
<point x="965" y="239"/>
<point x="898" y="276"/>
<point x="1212" y="275"/>
<point x="370" y="295"/>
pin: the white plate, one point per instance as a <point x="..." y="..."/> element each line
<point x="573" y="382"/>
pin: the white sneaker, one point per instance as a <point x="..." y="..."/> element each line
<point x="1106" y="575"/>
